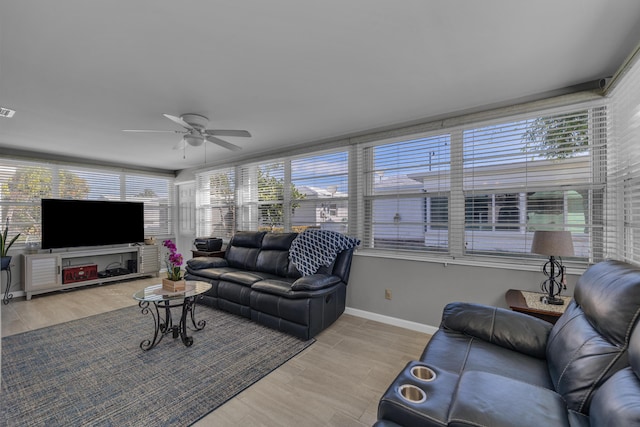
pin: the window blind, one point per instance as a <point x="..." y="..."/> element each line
<point x="406" y="186"/>
<point x="157" y="195"/>
<point x="484" y="189"/>
<point x="261" y="196"/>
<point x="320" y="192"/>
<point x="545" y="172"/>
<point x="215" y="203"/>
<point x="24" y="183"/>
<point x="295" y="193"/>
<point x="623" y="201"/>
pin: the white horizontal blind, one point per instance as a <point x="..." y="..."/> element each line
<point x="545" y="172"/>
<point x="157" y="195"/>
<point x="215" y="203"/>
<point x="261" y="196"/>
<point x="24" y="183"/>
<point x="623" y="236"/>
<point x="406" y="187"/>
<point x="320" y="192"/>
<point x="88" y="184"/>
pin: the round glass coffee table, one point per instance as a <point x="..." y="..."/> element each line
<point x="158" y="302"/>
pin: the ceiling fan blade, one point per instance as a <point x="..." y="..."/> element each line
<point x="230" y="132"/>
<point x="150" y="130"/>
<point x="224" y="144"/>
<point x="179" y="121"/>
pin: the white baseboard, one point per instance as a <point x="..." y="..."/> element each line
<point x="407" y="324"/>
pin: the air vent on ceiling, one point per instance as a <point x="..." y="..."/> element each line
<point x="6" y="112"/>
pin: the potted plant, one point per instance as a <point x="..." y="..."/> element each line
<point x="5" y="259"/>
<point x="174" y="281"/>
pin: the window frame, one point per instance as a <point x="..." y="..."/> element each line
<point x="457" y="195"/>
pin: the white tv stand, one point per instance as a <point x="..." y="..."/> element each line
<point x="44" y="272"/>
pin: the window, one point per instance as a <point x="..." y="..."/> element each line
<point x="319" y="185"/>
<point x="484" y="190"/>
<point x="623" y="240"/>
<point x="537" y="173"/>
<point x="295" y="194"/>
<point x="215" y="203"/>
<point x="156" y="194"/>
<point x="262" y="192"/>
<point x="23" y="184"/>
<point x="406" y="194"/>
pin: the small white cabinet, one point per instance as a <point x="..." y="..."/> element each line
<point x="45" y="272"/>
<point x="149" y="260"/>
<point x="42" y="272"/>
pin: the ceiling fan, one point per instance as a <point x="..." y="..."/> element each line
<point x="196" y="132"/>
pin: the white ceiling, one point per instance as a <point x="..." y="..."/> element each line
<point x="289" y="71"/>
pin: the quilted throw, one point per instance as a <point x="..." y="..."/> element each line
<point x="313" y="248"/>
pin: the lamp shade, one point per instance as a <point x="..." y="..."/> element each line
<point x="552" y="243"/>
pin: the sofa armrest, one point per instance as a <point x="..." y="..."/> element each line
<point x="509" y="329"/>
<point x="200" y="263"/>
<point x="314" y="282"/>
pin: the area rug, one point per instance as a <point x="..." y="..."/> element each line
<point x="92" y="371"/>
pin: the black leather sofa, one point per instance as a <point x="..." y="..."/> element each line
<point x="255" y="279"/>
<point x="489" y="366"/>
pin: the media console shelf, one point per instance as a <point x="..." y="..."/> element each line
<point x="46" y="272"/>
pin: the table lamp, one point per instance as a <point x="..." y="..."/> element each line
<point x="554" y="244"/>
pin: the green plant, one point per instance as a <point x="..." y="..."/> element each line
<point x="4" y="246"/>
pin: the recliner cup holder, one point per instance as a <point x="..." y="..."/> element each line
<point x="411" y="393"/>
<point x="423" y="373"/>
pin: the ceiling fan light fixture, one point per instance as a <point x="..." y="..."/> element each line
<point x="194" y="140"/>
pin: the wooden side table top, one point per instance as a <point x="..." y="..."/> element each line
<point x="517" y="301"/>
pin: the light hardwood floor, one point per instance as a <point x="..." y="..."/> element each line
<point x="335" y="382"/>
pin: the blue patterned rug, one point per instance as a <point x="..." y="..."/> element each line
<point x="92" y="372"/>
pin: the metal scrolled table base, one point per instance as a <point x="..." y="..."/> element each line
<point x="164" y="323"/>
<point x="7" y="296"/>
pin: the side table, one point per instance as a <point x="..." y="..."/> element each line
<point x="517" y="301"/>
<point x="164" y="300"/>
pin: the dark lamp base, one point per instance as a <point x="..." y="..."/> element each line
<point x="551" y="300"/>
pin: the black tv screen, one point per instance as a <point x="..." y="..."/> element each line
<point x="74" y="223"/>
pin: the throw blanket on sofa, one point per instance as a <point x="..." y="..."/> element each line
<point x="313" y="248"/>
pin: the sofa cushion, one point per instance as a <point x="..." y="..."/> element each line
<point x="200" y="263"/>
<point x="314" y="282"/>
<point x="456" y="352"/>
<point x="609" y="295"/>
<point x="484" y="399"/>
<point x="274" y="254"/>
<point x="589" y="342"/>
<point x="278" y="287"/>
<point x="242" y="277"/>
<point x="210" y="273"/>
<point x="242" y="251"/>
<point x="616" y="403"/>
<point x="505" y="328"/>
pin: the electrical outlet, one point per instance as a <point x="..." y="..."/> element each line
<point x="387" y="293"/>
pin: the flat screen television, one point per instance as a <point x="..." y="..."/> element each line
<point x="75" y="223"/>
